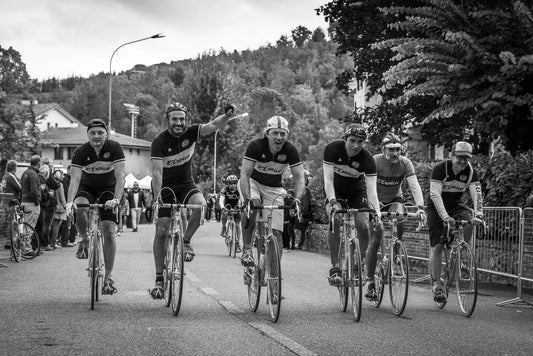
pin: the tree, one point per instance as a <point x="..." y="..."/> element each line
<point x="318" y="35"/>
<point x="13" y="74"/>
<point x="300" y="35"/>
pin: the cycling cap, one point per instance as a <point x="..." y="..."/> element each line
<point x="355" y="130"/>
<point x="96" y="123"/>
<point x="391" y="141"/>
<point x="462" y="148"/>
<point x="232" y="179"/>
<point x="277" y="122"/>
<point x="175" y="107"/>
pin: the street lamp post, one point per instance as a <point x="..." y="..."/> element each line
<point x="159" y="35"/>
<point x="215" y="165"/>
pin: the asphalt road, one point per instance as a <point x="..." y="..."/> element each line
<point x="45" y="310"/>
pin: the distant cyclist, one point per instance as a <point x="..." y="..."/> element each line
<point x="97" y="171"/>
<point x="172" y="152"/>
<point x="350" y="175"/>
<point x="229" y="195"/>
<point x="449" y="180"/>
<point x="392" y="169"/>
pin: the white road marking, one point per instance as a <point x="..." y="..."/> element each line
<point x="282" y="339"/>
<point x="209" y="291"/>
<point x="230" y="307"/>
<point x="191" y="277"/>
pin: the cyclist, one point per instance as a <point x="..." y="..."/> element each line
<point x="171" y="153"/>
<point x="349" y="174"/>
<point x="392" y="169"/>
<point x="263" y="164"/>
<point x="97" y="171"/>
<point x="230" y="196"/>
<point x="449" y="180"/>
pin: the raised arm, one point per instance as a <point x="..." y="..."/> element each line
<point x="219" y="122"/>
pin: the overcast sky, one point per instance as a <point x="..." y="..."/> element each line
<point x="60" y="38"/>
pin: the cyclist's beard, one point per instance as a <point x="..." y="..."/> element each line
<point x="392" y="158"/>
<point x="177" y="129"/>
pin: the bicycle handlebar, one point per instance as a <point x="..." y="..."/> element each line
<point x="90" y="206"/>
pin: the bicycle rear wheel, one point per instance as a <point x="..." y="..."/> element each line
<point x="233" y="235"/>
<point x="167" y="271"/>
<point x="343" y="290"/>
<point x="16" y="243"/>
<point x="444" y="277"/>
<point x="466" y="279"/>
<point x="356" y="283"/>
<point x="177" y="274"/>
<point x="399" y="277"/>
<point x="30" y="240"/>
<point x="228" y="239"/>
<point x="252" y="273"/>
<point x="273" y="277"/>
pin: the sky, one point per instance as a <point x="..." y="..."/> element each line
<point x="61" y="38"/>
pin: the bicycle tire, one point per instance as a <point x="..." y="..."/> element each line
<point x="16" y="244"/>
<point x="444" y="278"/>
<point x="380" y="279"/>
<point x="234" y="240"/>
<point x="398" y="277"/>
<point x="30" y="236"/>
<point x="167" y="271"/>
<point x="356" y="282"/>
<point x="466" y="279"/>
<point x="228" y="240"/>
<point x="343" y="290"/>
<point x="177" y="275"/>
<point x="272" y="253"/>
<point x="93" y="270"/>
<point x="254" y="288"/>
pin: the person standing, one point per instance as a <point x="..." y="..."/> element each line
<point x="137" y="203"/>
<point x="148" y="200"/>
<point x="307" y="212"/>
<point x="48" y="204"/>
<point x="60" y="214"/>
<point x="289" y="219"/>
<point x="11" y="185"/>
<point x="31" y="191"/>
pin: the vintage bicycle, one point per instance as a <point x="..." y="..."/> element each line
<point x="459" y="266"/>
<point x="25" y="242"/>
<point x="393" y="262"/>
<point x="173" y="270"/>
<point x="350" y="260"/>
<point x="232" y="231"/>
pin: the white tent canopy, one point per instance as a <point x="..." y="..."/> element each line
<point x="146" y="182"/>
<point x="129" y="180"/>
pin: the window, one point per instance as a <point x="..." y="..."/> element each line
<point x="131" y="151"/>
<point x="70" y="150"/>
<point x="58" y="153"/>
<point x="138" y="152"/>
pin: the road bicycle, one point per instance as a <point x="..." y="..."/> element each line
<point x="350" y="260"/>
<point x="393" y="262"/>
<point x="25" y="242"/>
<point x="173" y="270"/>
<point x="232" y="231"/>
<point x="96" y="265"/>
<point x="459" y="266"/>
<point x="266" y="270"/>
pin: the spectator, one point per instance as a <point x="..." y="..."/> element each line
<point x="307" y="212"/>
<point x="69" y="230"/>
<point x="288" y="235"/>
<point x="3" y="165"/>
<point x="58" y="234"/>
<point x="31" y="191"/>
<point x="218" y="211"/>
<point x="10" y="185"/>
<point x="137" y="204"/>
<point x="210" y="202"/>
<point x="123" y="213"/>
<point x="148" y="201"/>
<point x="44" y="222"/>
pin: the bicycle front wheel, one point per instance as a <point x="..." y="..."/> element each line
<point x="31" y="243"/>
<point x="343" y="290"/>
<point x="177" y="274"/>
<point x="94" y="264"/>
<point x="466" y="279"/>
<point x="16" y="243"/>
<point x="167" y="271"/>
<point x="399" y="277"/>
<point x="273" y="277"/>
<point x="251" y="274"/>
<point x="233" y="235"/>
<point x="356" y="282"/>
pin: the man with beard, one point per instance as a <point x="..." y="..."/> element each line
<point x="263" y="164"/>
<point x="171" y="153"/>
<point x="449" y="180"/>
<point x="350" y="175"/>
<point x="97" y="176"/>
<point x="392" y="169"/>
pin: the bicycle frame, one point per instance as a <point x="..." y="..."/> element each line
<point x="22" y="235"/>
<point x="232" y="232"/>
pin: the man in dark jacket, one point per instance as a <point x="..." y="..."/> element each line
<point x="31" y="191"/>
<point x="137" y="204"/>
<point x="46" y="217"/>
<point x="307" y="212"/>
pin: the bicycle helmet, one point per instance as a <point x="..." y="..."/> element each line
<point x="356" y="130"/>
<point x="175" y="107"/>
<point x="232" y="179"/>
<point x="391" y="141"/>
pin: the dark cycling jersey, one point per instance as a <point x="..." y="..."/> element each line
<point x="231" y="198"/>
<point x="349" y="172"/>
<point x="269" y="169"/>
<point x="98" y="171"/>
<point x="391" y="176"/>
<point x="176" y="154"/>
<point x="453" y="185"/>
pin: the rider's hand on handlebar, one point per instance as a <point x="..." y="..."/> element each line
<point x="69" y="208"/>
<point x="111" y="204"/>
<point x="448" y="220"/>
<point x="421" y="215"/>
<point x="229" y="109"/>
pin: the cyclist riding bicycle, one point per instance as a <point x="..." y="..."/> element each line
<point x="230" y="196"/>
<point x="350" y="175"/>
<point x="392" y="169"/>
<point x="263" y="164"/>
<point x="97" y="172"/>
<point x="449" y="180"/>
<point x="172" y="151"/>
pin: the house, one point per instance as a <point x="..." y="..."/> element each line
<point x="64" y="133"/>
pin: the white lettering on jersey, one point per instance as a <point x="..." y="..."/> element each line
<point x="346" y="171"/>
<point x="179" y="159"/>
<point x="99" y="167"/>
<point x="274" y="168"/>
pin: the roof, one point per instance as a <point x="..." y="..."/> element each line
<point x="41" y="109"/>
<point x="78" y="135"/>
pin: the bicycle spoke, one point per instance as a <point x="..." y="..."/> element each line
<point x="177" y="275"/>
<point x="167" y="272"/>
<point x="343" y="290"/>
<point x="356" y="282"/>
<point x="273" y="278"/>
<point x="466" y="279"/>
<point x="399" y="277"/>
<point x="252" y="273"/>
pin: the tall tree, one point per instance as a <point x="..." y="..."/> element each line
<point x="13" y="74"/>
